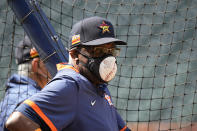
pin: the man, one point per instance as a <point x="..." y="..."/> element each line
<point x="77" y="98"/>
<point x="32" y="76"/>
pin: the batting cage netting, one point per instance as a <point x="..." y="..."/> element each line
<point x="155" y="88"/>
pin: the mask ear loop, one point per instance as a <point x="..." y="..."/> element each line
<point x="82" y="54"/>
<point x="90" y="60"/>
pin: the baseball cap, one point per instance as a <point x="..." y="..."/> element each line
<point x="25" y="51"/>
<point x="93" y="31"/>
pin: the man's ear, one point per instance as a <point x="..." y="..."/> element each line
<point x="73" y="57"/>
<point x="73" y="54"/>
<point x="35" y="64"/>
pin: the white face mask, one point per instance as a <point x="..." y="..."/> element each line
<point x="108" y="68"/>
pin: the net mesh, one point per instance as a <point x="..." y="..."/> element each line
<point x="155" y="87"/>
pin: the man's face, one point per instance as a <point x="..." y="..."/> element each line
<point x="94" y="52"/>
<point x="42" y="70"/>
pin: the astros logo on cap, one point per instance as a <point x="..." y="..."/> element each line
<point x="104" y="27"/>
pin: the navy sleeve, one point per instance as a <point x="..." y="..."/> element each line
<point x="31" y="114"/>
<point x="121" y="123"/>
<point x="55" y="104"/>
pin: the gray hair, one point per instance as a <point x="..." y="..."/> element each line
<point x="25" y="69"/>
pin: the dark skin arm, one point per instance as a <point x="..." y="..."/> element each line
<point x="19" y="122"/>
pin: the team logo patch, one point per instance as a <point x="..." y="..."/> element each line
<point x="104" y="27"/>
<point x="75" y="39"/>
<point x="108" y="98"/>
<point x="33" y="53"/>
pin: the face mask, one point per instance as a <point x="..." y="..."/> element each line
<point x="104" y="68"/>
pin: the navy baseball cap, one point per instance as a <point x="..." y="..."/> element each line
<point x="93" y="31"/>
<point x="25" y="51"/>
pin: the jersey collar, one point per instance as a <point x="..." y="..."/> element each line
<point x="61" y="66"/>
